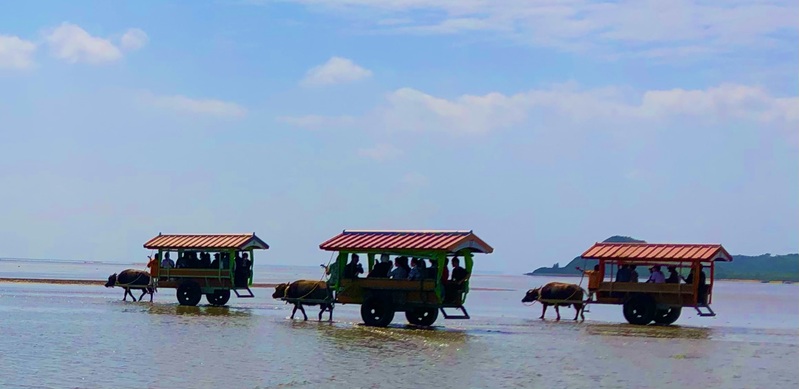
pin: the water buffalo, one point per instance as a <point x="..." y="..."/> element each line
<point x="301" y="290"/>
<point x="552" y="292"/>
<point x="132" y="279"/>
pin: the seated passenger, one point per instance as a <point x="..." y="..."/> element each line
<point x="445" y="271"/>
<point x="430" y="272"/>
<point x="205" y="260"/>
<point x="655" y="275"/>
<point x="459" y="274"/>
<point x="215" y="262"/>
<point x="400" y="271"/>
<point x="182" y="261"/>
<point x="415" y="273"/>
<point x="381" y="268"/>
<point x="352" y="269"/>
<point x="167" y="263"/>
<point x="624" y="274"/>
<point x="674" y="277"/>
<point x="702" y="298"/>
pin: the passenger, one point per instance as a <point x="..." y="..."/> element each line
<point x="459" y="274"/>
<point x="225" y="260"/>
<point x="381" y="268"/>
<point x="655" y="275"/>
<point x="152" y="264"/>
<point x="400" y="271"/>
<point x="624" y="274"/>
<point x="182" y="261"/>
<point x="205" y="260"/>
<point x="430" y="272"/>
<point x="167" y="263"/>
<point x="416" y="272"/>
<point x="352" y="269"/>
<point x="445" y="271"/>
<point x="702" y="285"/>
<point x="633" y="274"/>
<point x="194" y="261"/>
<point x="215" y="263"/>
<point x="674" y="277"/>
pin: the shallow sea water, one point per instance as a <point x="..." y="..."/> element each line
<point x="71" y="336"/>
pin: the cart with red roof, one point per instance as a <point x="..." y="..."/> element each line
<point x="662" y="303"/>
<point x="194" y="274"/>
<point x="421" y="300"/>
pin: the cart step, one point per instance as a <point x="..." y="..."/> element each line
<point x="247" y="295"/>
<point x="456" y="317"/>
<point x="709" y="311"/>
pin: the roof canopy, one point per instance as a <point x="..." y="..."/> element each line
<point x="649" y="252"/>
<point x="449" y="241"/>
<point x="206" y="241"/>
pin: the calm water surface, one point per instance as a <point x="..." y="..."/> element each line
<point x="67" y="336"/>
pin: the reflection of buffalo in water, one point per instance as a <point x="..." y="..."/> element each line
<point x="132" y="279"/>
<point x="557" y="291"/>
<point x="302" y="290"/>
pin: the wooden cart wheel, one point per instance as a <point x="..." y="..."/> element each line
<point x="377" y="312"/>
<point x="640" y="309"/>
<point x="422" y="316"/>
<point x="668" y="315"/>
<point x="219" y="297"/>
<point x="189" y="293"/>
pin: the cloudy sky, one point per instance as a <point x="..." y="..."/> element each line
<point x="542" y="125"/>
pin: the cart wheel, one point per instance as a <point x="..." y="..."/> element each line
<point x="640" y="309"/>
<point x="668" y="315"/>
<point x="189" y="293"/>
<point x="422" y="316"/>
<point x="219" y="297"/>
<point x="377" y="312"/>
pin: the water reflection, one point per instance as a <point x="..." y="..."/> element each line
<point x="650" y="331"/>
<point x="176" y="309"/>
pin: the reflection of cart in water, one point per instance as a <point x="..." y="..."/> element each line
<point x="195" y="273"/>
<point x="422" y="299"/>
<point x="658" y="302"/>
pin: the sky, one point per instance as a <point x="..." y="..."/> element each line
<point x="543" y="126"/>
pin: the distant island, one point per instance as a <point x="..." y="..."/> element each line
<point x="764" y="267"/>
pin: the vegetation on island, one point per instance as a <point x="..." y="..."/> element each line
<point x="764" y="267"/>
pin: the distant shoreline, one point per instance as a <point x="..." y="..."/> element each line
<point x="62" y="281"/>
<point x="717" y="279"/>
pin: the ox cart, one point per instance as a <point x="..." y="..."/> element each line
<point x="661" y="302"/>
<point x="421" y="300"/>
<point x="211" y="264"/>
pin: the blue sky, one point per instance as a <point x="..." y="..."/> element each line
<point x="544" y="126"/>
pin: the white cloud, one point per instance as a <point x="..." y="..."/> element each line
<point x="183" y="104"/>
<point x="133" y="39"/>
<point x="682" y="27"/>
<point x="411" y="109"/>
<point x="73" y="44"/>
<point x="380" y="152"/>
<point x="16" y="53"/>
<point x="336" y="70"/>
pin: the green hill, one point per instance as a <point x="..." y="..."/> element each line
<point x="764" y="267"/>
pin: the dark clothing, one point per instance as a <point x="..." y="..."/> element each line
<point x="459" y="274"/>
<point x="380" y="270"/>
<point x="702" y="286"/>
<point x="205" y="261"/>
<point x="351" y="270"/>
<point x="674" y="278"/>
<point x="623" y="275"/>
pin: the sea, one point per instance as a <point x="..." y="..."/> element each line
<point x="85" y="336"/>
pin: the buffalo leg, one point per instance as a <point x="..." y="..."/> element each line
<point x="128" y="292"/>
<point x="578" y="310"/>
<point x="303" y="313"/>
<point x="557" y="311"/>
<point x="293" y="311"/>
<point x="322" y="310"/>
<point x="330" y="309"/>
<point x="544" y="311"/>
<point x="143" y="292"/>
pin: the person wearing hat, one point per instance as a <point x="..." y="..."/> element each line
<point x="381" y="268"/>
<point x="655" y="275"/>
<point x="674" y="277"/>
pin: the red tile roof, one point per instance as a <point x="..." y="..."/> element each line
<point x="450" y="241"/>
<point x="206" y="241"/>
<point x="658" y="252"/>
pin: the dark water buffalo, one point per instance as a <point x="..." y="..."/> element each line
<point x="302" y="290"/>
<point x="557" y="291"/>
<point x="132" y="279"/>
